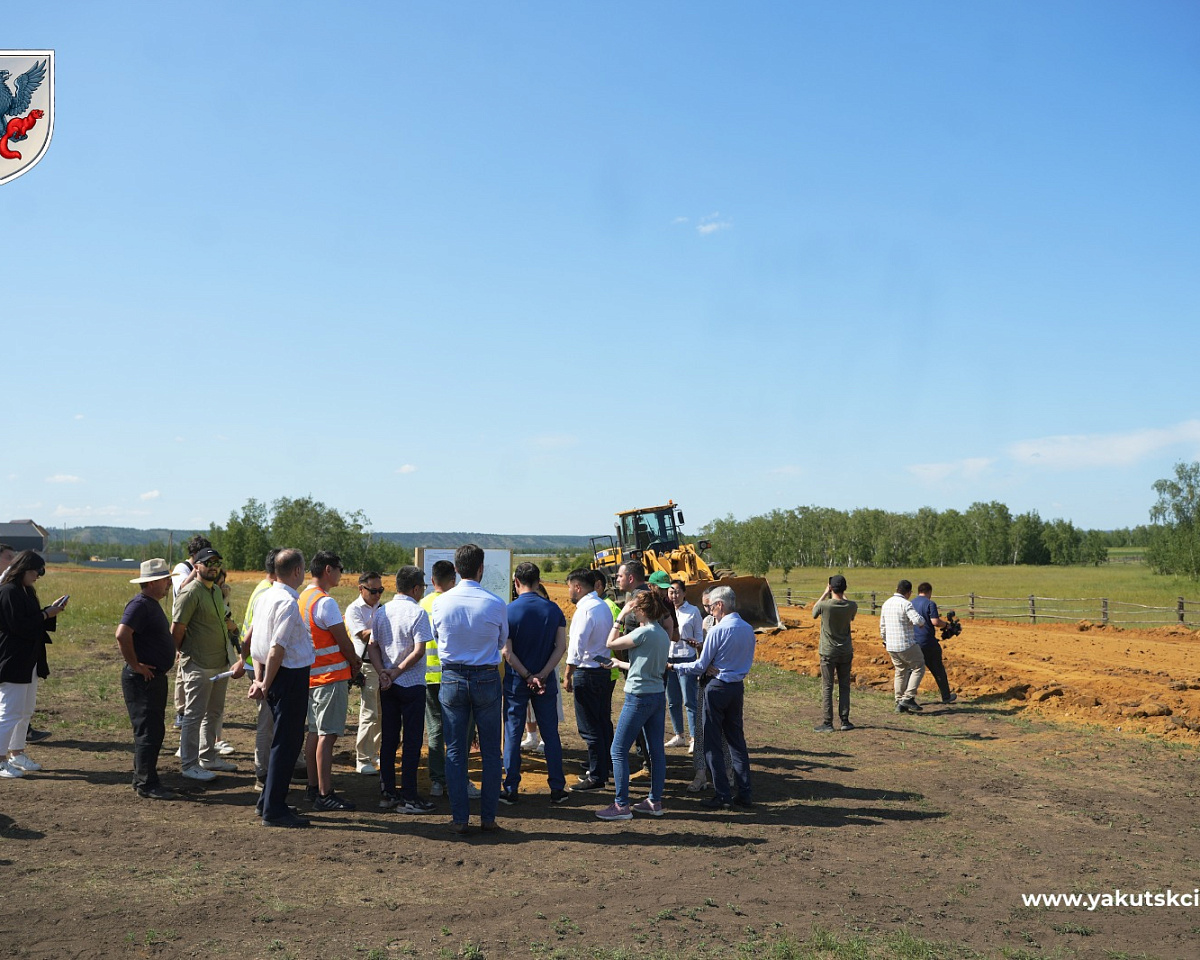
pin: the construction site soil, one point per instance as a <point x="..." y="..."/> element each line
<point x="933" y="825"/>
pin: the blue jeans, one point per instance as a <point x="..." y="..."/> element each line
<point x="681" y="695"/>
<point x="593" y="715"/>
<point x="517" y="696"/>
<point x="649" y="712"/>
<point x="723" y="714"/>
<point x="465" y="689"/>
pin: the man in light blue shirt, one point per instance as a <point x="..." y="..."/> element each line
<point x="727" y="656"/>
<point x="471" y="625"/>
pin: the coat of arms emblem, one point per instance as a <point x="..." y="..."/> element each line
<point x="26" y="109"/>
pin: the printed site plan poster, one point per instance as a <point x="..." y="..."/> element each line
<point x="497" y="569"/>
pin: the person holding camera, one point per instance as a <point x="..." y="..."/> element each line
<point x="836" y="651"/>
<point x="927" y="638"/>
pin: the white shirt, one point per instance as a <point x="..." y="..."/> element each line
<point x="358" y="618"/>
<point x="277" y="623"/>
<point x="690" y="628"/>
<point x="896" y="621"/>
<point x="182" y="569"/>
<point x="399" y="625"/>
<point x="471" y="625"/>
<point x="588" y="636"/>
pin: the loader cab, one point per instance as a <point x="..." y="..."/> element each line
<point x="652" y="529"/>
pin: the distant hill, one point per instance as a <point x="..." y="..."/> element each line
<point x="517" y="543"/>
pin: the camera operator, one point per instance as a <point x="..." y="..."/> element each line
<point x="926" y="636"/>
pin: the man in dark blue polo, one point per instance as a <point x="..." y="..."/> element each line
<point x="926" y="637"/>
<point x="537" y="640"/>
<point x="144" y="638"/>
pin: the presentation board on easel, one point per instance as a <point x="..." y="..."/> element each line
<point x="497" y="569"/>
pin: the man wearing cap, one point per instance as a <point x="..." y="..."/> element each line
<point x="359" y="616"/>
<point x="835" y="650"/>
<point x="202" y="639"/>
<point x="144" y="638"/>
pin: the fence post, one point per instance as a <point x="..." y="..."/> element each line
<point x="1179" y="609"/>
<point x="789" y="596"/>
<point x="1032" y="610"/>
<point x="1104" y="610"/>
<point x="872" y="603"/>
<point x="972" y="606"/>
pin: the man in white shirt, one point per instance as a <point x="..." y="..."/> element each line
<point x="471" y="625"/>
<point x="282" y="648"/>
<point x="591" y="683"/>
<point x="359" y="616"/>
<point x="897" y="619"/>
<point x="681" y="690"/>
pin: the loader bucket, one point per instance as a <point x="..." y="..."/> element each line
<point x="755" y="602"/>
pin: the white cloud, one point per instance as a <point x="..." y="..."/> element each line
<point x="150" y="495"/>
<point x="553" y="441"/>
<point x="79" y="416"/>
<point x="81" y="512"/>
<point x="971" y="468"/>
<point x="407" y="468"/>
<point x="1071" y="452"/>
<point x="681" y="220"/>
<point x="63" y="478"/>
<point x="788" y="470"/>
<point x="711" y="224"/>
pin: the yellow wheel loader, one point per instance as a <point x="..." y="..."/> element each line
<point x="651" y="535"/>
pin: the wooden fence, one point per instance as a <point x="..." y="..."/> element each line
<point x="970" y="606"/>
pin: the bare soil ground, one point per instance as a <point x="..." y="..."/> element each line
<point x="933" y="825"/>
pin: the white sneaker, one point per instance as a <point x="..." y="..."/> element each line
<point x="222" y="766"/>
<point x="675" y="741"/>
<point x="529" y="742"/>
<point x="23" y="762"/>
<point x="367" y="768"/>
<point x="472" y="791"/>
<point x="691" y="746"/>
<point x="9" y="772"/>
<point x="179" y="751"/>
<point x="199" y="773"/>
<point x="436" y="789"/>
<point x="540" y="749"/>
<point x="223" y="747"/>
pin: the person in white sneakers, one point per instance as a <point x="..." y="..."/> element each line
<point x="24" y="626"/>
<point x="359" y="616"/>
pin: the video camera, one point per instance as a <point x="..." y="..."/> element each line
<point x="953" y="626"/>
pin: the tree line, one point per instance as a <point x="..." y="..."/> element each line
<point x="308" y="525"/>
<point x="984" y="533"/>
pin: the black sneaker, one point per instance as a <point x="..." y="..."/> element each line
<point x="418" y="805"/>
<point x="823" y="728"/>
<point x="156" y="792"/>
<point x="912" y="705"/>
<point x="847" y="725"/>
<point x="743" y="804"/>
<point x="950" y="699"/>
<point x="559" y="796"/>
<point x="311" y="794"/>
<point x="331" y="801"/>
<point x="287" y="820"/>
<point x="715" y="803"/>
<point x="34" y="736"/>
<point x="508" y="798"/>
<point x="588" y="784"/>
<point x="389" y="800"/>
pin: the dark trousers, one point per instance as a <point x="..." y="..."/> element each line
<point x="288" y="698"/>
<point x="830" y="668"/>
<point x="593" y="717"/>
<point x="723" y="706"/>
<point x="146" y="701"/>
<point x="933" y="664"/>
<point x="402" y="714"/>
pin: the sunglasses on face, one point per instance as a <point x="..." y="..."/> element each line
<point x="372" y="592"/>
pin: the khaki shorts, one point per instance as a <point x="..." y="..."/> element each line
<point x="327" y="706"/>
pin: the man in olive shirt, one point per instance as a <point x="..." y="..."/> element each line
<point x="836" y="650"/>
<point x="198" y="627"/>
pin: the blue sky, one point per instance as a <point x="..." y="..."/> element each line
<point x="514" y="267"/>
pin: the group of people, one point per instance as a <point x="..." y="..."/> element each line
<point x="908" y="629"/>
<point x="429" y="669"/>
